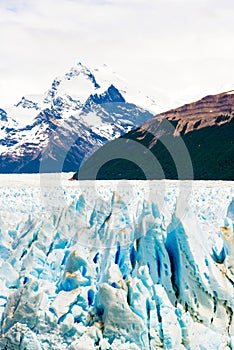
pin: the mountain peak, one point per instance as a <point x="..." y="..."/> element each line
<point x="112" y="94"/>
<point x="81" y="69"/>
<point x="78" y="83"/>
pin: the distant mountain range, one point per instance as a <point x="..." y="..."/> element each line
<point x="80" y="112"/>
<point x="195" y="141"/>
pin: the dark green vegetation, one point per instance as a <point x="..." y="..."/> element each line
<point x="139" y="155"/>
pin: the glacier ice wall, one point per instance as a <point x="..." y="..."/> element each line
<point x="122" y="270"/>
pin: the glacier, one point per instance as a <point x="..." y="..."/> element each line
<point x="115" y="264"/>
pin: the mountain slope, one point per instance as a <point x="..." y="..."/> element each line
<point x="193" y="141"/>
<point x="210" y="110"/>
<point x="57" y="130"/>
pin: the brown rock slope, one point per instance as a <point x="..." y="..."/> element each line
<point x="210" y="110"/>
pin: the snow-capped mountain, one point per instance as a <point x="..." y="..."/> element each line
<point x="79" y="113"/>
<point x="116" y="268"/>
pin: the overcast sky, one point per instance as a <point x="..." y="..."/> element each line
<point x="176" y="50"/>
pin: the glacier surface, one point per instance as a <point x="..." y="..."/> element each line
<point x="115" y="265"/>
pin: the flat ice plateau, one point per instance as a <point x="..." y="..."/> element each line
<point x="115" y="265"/>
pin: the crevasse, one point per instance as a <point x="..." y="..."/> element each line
<point x="114" y="274"/>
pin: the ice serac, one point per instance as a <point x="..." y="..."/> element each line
<point x="118" y="269"/>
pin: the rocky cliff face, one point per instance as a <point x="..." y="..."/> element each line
<point x="210" y="110"/>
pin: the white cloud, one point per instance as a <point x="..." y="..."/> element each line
<point x="174" y="49"/>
